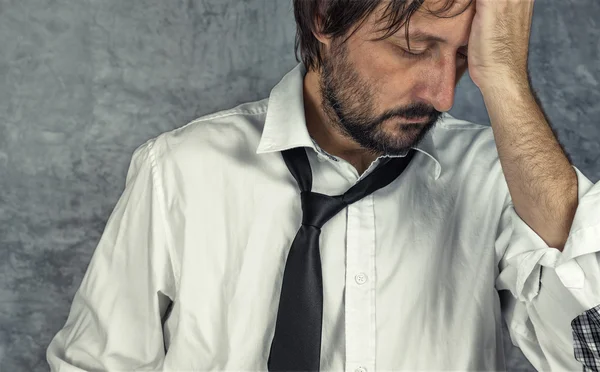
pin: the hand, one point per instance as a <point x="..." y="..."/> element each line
<point x="499" y="41"/>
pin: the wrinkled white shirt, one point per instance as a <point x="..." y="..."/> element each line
<point x="411" y="273"/>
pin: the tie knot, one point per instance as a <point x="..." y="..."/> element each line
<point x="318" y="208"/>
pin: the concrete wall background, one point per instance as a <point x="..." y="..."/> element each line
<point x="83" y="83"/>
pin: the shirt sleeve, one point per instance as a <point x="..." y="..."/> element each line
<point x="548" y="289"/>
<point x="115" y="317"/>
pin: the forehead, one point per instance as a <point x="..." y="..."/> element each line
<point x="451" y="17"/>
<point x="442" y="9"/>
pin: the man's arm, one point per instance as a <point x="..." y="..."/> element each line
<point x="540" y="178"/>
<point x="115" y="318"/>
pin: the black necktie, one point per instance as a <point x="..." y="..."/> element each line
<point x="296" y="345"/>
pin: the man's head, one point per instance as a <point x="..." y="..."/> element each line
<point x="371" y="92"/>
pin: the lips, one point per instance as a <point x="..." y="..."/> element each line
<point x="416" y="120"/>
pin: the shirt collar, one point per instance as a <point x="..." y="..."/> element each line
<point x="285" y="124"/>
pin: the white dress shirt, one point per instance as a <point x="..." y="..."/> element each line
<point x="411" y="273"/>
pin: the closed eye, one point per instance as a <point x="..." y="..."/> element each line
<point x="422" y="55"/>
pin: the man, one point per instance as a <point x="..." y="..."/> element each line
<point x="347" y="222"/>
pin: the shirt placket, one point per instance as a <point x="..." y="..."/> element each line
<point x="360" y="287"/>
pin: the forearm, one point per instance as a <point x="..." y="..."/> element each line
<point x="541" y="181"/>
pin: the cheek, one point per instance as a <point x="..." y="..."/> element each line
<point x="375" y="57"/>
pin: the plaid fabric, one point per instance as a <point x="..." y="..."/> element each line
<point x="586" y="335"/>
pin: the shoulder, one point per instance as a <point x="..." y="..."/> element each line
<point x="209" y="138"/>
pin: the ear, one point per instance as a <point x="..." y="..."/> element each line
<point x="318" y="35"/>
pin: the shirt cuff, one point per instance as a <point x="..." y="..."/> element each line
<point x="583" y="239"/>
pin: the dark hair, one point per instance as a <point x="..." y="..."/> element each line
<point x="339" y="16"/>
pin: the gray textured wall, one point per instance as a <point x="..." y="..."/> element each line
<point x="83" y="83"/>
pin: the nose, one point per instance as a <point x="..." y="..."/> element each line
<point x="440" y="88"/>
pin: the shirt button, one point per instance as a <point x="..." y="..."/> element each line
<point x="360" y="369"/>
<point x="361" y="278"/>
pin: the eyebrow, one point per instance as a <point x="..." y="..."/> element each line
<point x="419" y="35"/>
